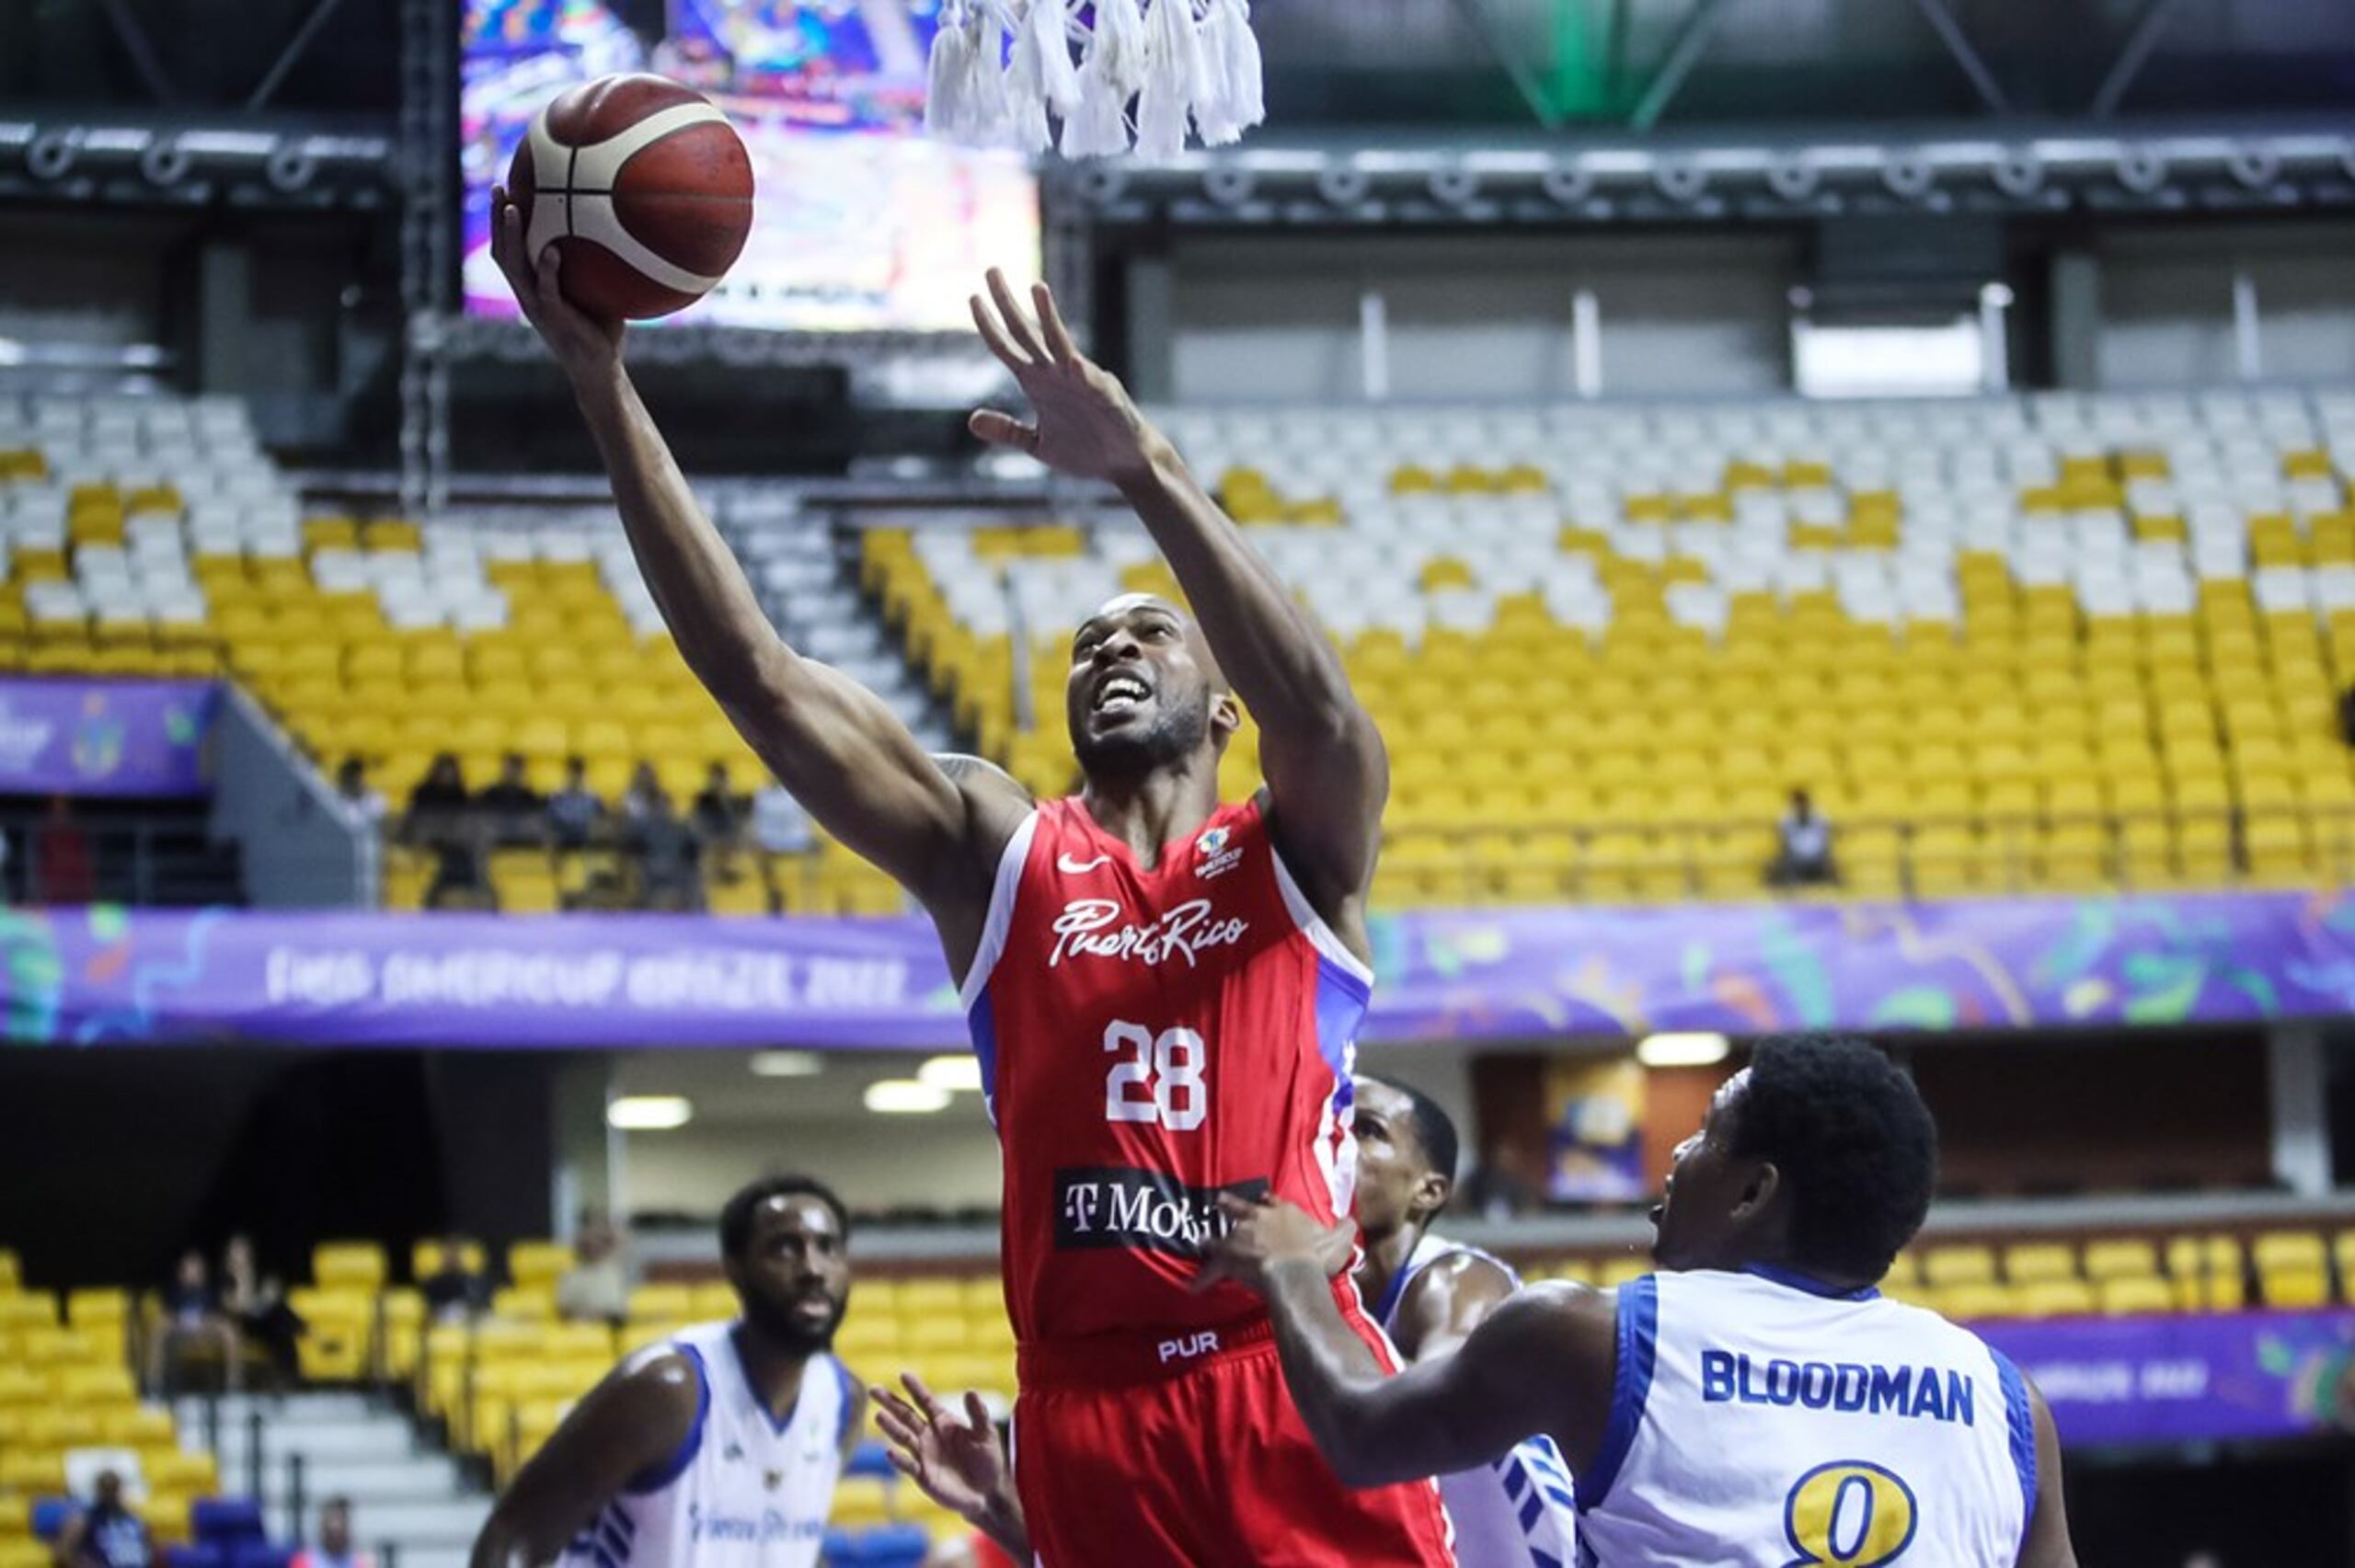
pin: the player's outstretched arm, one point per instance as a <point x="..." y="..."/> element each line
<point x="840" y="750"/>
<point x="629" y="1427"/>
<point x="954" y="1456"/>
<point x="2048" y="1544"/>
<point x="1541" y="1362"/>
<point x="1326" y="768"/>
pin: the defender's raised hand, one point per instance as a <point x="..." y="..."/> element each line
<point x="953" y="1456"/>
<point x="1084" y="424"/>
<point x="581" y="343"/>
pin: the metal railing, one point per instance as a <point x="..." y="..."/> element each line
<point x="147" y="864"/>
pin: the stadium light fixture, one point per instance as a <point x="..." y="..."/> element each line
<point x="905" y="1097"/>
<point x="1684" y="1050"/>
<point x="957" y="1072"/>
<point x="649" y="1112"/>
<point x="787" y="1064"/>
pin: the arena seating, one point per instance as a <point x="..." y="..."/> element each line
<point x="2051" y="642"/>
<point x="2058" y="642"/>
<point x="150" y="536"/>
<point x="69" y="1386"/>
<point x="2101" y="1274"/>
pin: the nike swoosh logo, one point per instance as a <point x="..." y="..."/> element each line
<point x="1071" y="867"/>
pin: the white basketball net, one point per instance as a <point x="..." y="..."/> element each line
<point x="1190" y="65"/>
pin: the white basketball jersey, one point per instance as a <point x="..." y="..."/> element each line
<point x="1516" y="1511"/>
<point x="1761" y="1420"/>
<point x="744" y="1490"/>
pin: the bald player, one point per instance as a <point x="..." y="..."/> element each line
<point x="1164" y="990"/>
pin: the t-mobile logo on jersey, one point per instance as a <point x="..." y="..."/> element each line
<point x="1117" y="1205"/>
<point x="1185" y="932"/>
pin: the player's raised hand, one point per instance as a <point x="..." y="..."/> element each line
<point x="953" y="1456"/>
<point x="579" y="341"/>
<point x="1085" y="423"/>
<point x="1267" y="1232"/>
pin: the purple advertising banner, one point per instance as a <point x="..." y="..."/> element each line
<point x="2186" y="1380"/>
<point x="98" y="975"/>
<point x="135" y="738"/>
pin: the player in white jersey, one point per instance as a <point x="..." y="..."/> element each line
<point x="1516" y="1511"/>
<point x="1758" y="1405"/>
<point x="718" y="1447"/>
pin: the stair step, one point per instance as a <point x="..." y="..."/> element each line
<point x="427" y="1478"/>
<point x="291" y="1410"/>
<point x="452" y="1523"/>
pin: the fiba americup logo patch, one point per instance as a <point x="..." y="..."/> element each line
<point x="1117" y="1205"/>
<point x="1217" y="858"/>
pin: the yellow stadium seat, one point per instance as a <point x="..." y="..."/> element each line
<point x="101" y="1385"/>
<point x="27" y="1309"/>
<point x="651" y="1302"/>
<point x="426" y="1258"/>
<point x="2128" y="1294"/>
<point x="349" y="1264"/>
<point x="1944" y="1267"/>
<point x="139" y="1427"/>
<point x="2119" y="1257"/>
<point x="538" y="1263"/>
<point x="2037" y="1261"/>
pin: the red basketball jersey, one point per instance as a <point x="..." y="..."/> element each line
<point x="1150" y="1040"/>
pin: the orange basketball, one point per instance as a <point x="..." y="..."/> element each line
<point x="643" y="186"/>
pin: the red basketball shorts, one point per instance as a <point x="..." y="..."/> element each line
<point x="1186" y="1452"/>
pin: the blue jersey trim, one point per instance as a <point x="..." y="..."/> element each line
<point x="1395" y="1292"/>
<point x="1792" y="1279"/>
<point x="2023" y="1425"/>
<point x="662" y="1475"/>
<point x="1631" y="1384"/>
<point x="982" y="1025"/>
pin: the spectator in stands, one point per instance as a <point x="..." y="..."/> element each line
<point x="333" y="1549"/>
<point x="670" y="872"/>
<point x="440" y="820"/>
<point x="256" y="1303"/>
<point x="362" y="801"/>
<point x="645" y="788"/>
<point x="192" y="1321"/>
<point x="596" y="1287"/>
<point x="1803" y="858"/>
<point x="64" y="872"/>
<point x="441" y="791"/>
<point x="513" y="808"/>
<point x="455" y="1293"/>
<point x="107" y="1534"/>
<point x="717" y="815"/>
<point x="575" y="814"/>
<point x="780" y="829"/>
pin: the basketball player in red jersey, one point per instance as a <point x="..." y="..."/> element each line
<point x="1163" y="992"/>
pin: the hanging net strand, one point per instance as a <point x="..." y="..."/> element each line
<point x="1148" y="76"/>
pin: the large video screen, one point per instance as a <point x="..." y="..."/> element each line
<point x="861" y="223"/>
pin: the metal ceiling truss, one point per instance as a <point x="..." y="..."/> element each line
<point x="196" y="159"/>
<point x="1650" y="180"/>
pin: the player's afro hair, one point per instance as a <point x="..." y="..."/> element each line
<point x="1854" y="1145"/>
<point x="736" y="1220"/>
